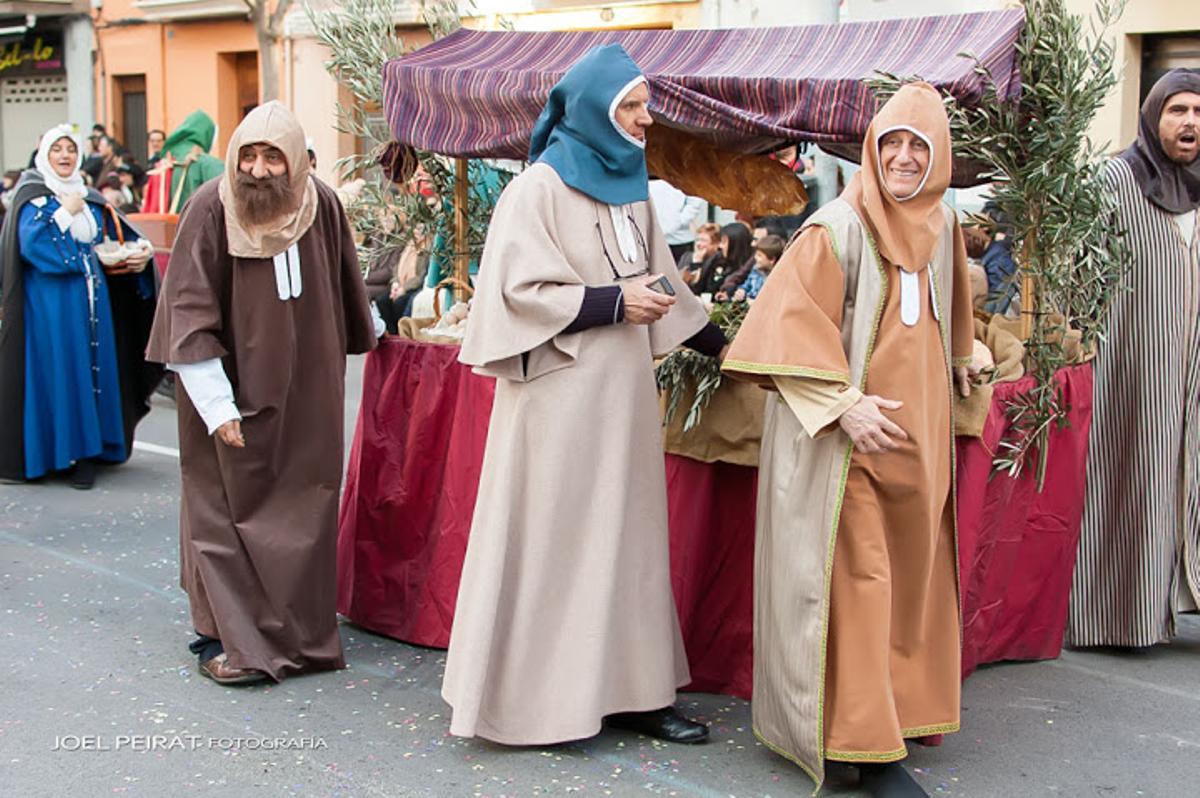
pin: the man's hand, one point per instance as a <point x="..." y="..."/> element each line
<point x="721" y="296"/>
<point x="963" y="377"/>
<point x="739" y="295"/>
<point x="870" y="430"/>
<point x="72" y="203"/>
<point x="642" y="305"/>
<point x="230" y="434"/>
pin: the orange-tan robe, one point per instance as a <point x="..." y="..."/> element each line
<point x="857" y="634"/>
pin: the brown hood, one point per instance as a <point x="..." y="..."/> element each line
<point x="905" y="230"/>
<point x="271" y="123"/>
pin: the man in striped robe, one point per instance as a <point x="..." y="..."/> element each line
<point x="1139" y="552"/>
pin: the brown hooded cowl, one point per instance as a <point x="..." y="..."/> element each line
<point x="258" y="525"/>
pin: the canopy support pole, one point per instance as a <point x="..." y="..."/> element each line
<point x="462" y="250"/>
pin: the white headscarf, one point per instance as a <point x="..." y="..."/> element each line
<point x="83" y="224"/>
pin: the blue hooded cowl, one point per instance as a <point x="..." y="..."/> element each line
<point x="576" y="136"/>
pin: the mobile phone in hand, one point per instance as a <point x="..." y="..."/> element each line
<point x="663" y="286"/>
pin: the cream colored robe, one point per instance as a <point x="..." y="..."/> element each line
<point x="565" y="612"/>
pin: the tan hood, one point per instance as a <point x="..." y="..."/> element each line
<point x="271" y="123"/>
<point x="905" y="229"/>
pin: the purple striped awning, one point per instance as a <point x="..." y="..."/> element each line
<point x="478" y="93"/>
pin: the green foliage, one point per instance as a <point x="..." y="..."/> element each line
<point x="685" y="370"/>
<point x="1048" y="182"/>
<point x="361" y="37"/>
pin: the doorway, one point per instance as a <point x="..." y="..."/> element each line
<point x="130" y="94"/>
<point x="237" y="91"/>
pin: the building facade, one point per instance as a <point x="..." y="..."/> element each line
<point x="45" y="72"/>
<point x="159" y="60"/>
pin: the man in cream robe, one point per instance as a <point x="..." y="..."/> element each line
<point x="565" y="614"/>
<point x="856" y="613"/>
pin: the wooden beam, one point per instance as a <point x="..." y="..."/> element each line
<point x="462" y="252"/>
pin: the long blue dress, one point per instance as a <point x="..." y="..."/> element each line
<point x="72" y="393"/>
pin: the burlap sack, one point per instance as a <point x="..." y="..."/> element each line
<point x="730" y="428"/>
<point x="1008" y="352"/>
<point x="1072" y="349"/>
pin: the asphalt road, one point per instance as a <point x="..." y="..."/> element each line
<point x="100" y="696"/>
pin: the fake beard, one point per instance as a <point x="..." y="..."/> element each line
<point x="262" y="200"/>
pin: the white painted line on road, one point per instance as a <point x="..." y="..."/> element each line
<point x="154" y="448"/>
<point x="172" y="595"/>
<point x="1126" y="680"/>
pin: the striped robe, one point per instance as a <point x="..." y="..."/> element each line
<point x="1139" y="550"/>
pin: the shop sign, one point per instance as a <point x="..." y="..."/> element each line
<point x="38" y="52"/>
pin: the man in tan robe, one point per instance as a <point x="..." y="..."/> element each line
<point x="565" y="614"/>
<point x="856" y="612"/>
<point x="261" y="303"/>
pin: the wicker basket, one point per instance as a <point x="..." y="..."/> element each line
<point x="449" y="282"/>
<point x="123" y="266"/>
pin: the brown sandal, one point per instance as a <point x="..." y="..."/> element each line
<point x="218" y="669"/>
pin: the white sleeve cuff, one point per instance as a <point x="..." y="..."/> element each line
<point x="63" y="219"/>
<point x="377" y="320"/>
<point x="209" y="389"/>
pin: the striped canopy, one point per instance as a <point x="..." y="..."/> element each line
<point x="476" y="94"/>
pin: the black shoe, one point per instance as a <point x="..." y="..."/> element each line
<point x="889" y="780"/>
<point x="166" y="387"/>
<point x="664" y="724"/>
<point x="83" y="475"/>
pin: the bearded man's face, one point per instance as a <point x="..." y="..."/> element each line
<point x="1179" y="127"/>
<point x="262" y="192"/>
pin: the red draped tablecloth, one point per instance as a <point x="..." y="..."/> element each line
<point x="414" y="469"/>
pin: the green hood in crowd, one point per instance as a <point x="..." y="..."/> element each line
<point x="197" y="130"/>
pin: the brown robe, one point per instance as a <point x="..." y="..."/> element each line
<point x="258" y="525"/>
<point x="565" y="612"/>
<point x="856" y="612"/>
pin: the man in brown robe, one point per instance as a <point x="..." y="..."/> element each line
<point x="856" y="613"/>
<point x="262" y="301"/>
<point x="565" y="615"/>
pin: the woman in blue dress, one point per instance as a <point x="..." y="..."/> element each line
<point x="62" y="407"/>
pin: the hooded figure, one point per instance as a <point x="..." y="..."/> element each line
<point x="262" y="302"/>
<point x="565" y="613"/>
<point x="856" y="628"/>
<point x="189" y="146"/>
<point x="1139" y="546"/>
<point x="72" y="375"/>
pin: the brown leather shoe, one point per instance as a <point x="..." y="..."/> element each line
<point x="219" y="670"/>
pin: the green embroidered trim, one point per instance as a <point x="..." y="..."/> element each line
<point x="776" y="749"/>
<point x="925" y="731"/>
<point x="899" y="753"/>
<point x="832" y="239"/>
<point x="784" y="371"/>
<point x="837" y="511"/>
<point x="960" y="361"/>
<point x="867" y="756"/>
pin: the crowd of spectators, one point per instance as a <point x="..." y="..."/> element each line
<point x="108" y="166"/>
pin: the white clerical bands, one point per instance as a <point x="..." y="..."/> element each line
<point x="287" y="273"/>
<point x="910" y="297"/>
